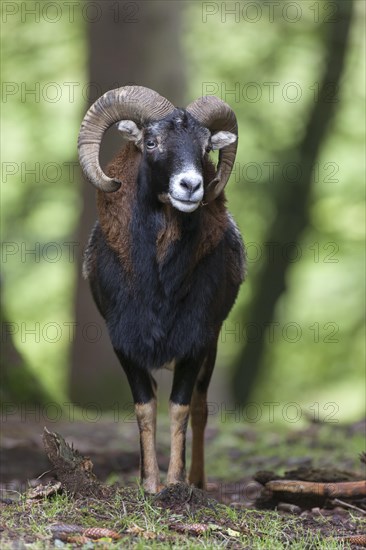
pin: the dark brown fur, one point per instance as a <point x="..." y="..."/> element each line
<point x="115" y="209"/>
<point x="169" y="234"/>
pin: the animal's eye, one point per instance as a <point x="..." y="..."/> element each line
<point x="151" y="144"/>
<point x="208" y="148"/>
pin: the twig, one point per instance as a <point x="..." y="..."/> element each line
<point x="338" y="502"/>
<point x="46" y="472"/>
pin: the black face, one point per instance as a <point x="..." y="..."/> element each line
<point x="175" y="148"/>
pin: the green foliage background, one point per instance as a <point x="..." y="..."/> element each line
<point x="325" y="295"/>
<point x="43" y="208"/>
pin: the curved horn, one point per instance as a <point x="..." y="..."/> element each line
<point x="216" y="115"/>
<point x="135" y="103"/>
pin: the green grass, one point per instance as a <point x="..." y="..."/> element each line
<point x="154" y="527"/>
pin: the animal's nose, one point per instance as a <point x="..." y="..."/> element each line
<point x="190" y="185"/>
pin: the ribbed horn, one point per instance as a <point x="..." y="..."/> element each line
<point x="136" y="103"/>
<point x="216" y="115"/>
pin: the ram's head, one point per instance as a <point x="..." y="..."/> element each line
<point x="173" y="142"/>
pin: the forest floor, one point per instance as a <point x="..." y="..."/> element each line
<point x="230" y="515"/>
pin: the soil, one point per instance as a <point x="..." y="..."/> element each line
<point x="23" y="461"/>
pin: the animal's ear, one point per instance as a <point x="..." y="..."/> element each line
<point x="130" y="131"/>
<point x="222" y="139"/>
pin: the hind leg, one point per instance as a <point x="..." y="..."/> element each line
<point x="199" y="419"/>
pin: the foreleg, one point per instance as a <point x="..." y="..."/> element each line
<point x="143" y="388"/>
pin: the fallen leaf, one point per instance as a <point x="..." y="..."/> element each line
<point x="233" y="533"/>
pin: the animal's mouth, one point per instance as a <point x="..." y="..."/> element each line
<point x="180" y="204"/>
<point x="183" y="205"/>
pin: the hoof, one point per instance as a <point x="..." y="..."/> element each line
<point x="152" y="488"/>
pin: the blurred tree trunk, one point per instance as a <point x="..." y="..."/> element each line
<point x="291" y="202"/>
<point x="18" y="385"/>
<point x="133" y="43"/>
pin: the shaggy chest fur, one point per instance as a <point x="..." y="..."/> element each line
<point x="151" y="312"/>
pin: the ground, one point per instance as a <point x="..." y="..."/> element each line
<point x="229" y="515"/>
